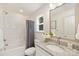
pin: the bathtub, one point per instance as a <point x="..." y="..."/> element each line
<point x="19" y="51"/>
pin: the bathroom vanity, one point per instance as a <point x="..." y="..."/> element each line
<point x="64" y="22"/>
<point x="52" y="48"/>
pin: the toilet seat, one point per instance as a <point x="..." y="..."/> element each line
<point x="30" y="51"/>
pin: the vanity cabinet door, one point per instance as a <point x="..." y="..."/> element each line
<point x="41" y="52"/>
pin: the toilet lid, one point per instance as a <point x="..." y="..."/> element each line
<point x="30" y="51"/>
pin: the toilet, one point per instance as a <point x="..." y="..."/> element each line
<point x="30" y="51"/>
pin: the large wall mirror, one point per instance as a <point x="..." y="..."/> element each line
<point x="63" y="22"/>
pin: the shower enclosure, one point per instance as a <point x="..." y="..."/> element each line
<point x="13" y="28"/>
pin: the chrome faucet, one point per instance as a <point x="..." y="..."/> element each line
<point x="58" y="41"/>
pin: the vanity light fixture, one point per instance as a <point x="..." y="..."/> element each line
<point x="52" y="6"/>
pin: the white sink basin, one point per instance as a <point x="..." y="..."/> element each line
<point x="55" y="48"/>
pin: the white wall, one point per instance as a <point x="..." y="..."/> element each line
<point x="44" y="10"/>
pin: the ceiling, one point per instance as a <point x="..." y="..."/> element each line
<point x="23" y="8"/>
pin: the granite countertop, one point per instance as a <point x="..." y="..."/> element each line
<point x="67" y="52"/>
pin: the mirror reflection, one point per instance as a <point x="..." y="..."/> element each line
<point x="63" y="21"/>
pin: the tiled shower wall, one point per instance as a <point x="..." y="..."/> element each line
<point x="14" y="29"/>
